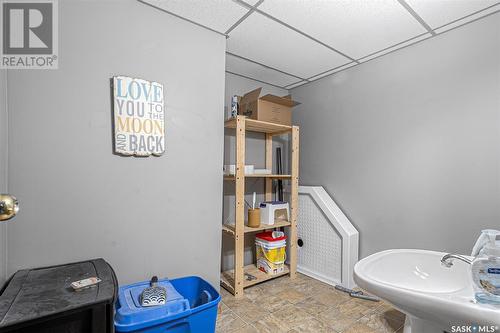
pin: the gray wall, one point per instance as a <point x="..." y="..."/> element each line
<point x="156" y="215"/>
<point x="409" y="144"/>
<point x="3" y="169"/>
<point x="255" y="154"/>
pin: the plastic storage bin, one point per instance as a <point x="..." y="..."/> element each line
<point x="270" y="252"/>
<point x="191" y="307"/>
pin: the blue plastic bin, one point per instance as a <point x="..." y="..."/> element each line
<point x="191" y="307"/>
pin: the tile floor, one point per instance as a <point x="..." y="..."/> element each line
<point x="303" y="305"/>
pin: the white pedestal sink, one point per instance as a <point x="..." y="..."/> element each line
<point x="434" y="298"/>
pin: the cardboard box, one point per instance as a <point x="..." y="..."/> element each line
<point x="271" y="108"/>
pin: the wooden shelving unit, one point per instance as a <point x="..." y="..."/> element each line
<point x="260" y="176"/>
<point x="234" y="280"/>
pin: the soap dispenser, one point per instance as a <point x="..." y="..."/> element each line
<point x="486" y="267"/>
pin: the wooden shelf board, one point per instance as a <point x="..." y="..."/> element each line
<point x="260" y="126"/>
<point x="228" y="228"/>
<point x="278" y="224"/>
<point x="227" y="279"/>
<point x="260" y="176"/>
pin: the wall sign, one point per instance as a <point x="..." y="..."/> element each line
<point x="139" y="117"/>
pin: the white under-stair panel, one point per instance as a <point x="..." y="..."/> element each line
<point x="321" y="252"/>
<point x="330" y="242"/>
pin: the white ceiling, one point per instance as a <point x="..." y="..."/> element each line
<point x="215" y="14"/>
<point x="356" y="28"/>
<point x="288" y="43"/>
<point x="273" y="44"/>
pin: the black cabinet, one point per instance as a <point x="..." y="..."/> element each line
<point x="41" y="300"/>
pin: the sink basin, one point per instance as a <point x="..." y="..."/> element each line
<point x="434" y="297"/>
<point x="418" y="270"/>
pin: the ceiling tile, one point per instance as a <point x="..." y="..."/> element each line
<point x="268" y="42"/>
<point x="469" y="18"/>
<point x="396" y="47"/>
<point x="256" y="71"/>
<point x="440" y="12"/>
<point x="219" y="15"/>
<point x="354" y="27"/>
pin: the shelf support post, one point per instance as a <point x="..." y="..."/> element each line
<point x="239" y="233"/>
<point x="269" y="165"/>
<point x="294" y="201"/>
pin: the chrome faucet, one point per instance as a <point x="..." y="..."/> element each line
<point x="447" y="259"/>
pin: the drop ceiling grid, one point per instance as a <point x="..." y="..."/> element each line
<point x="354" y="27"/>
<point x="251" y="2"/>
<point x="395" y="47"/>
<point x="266" y="41"/>
<point x="332" y="71"/>
<point x="399" y="46"/>
<point x="460" y="21"/>
<point x="301" y="27"/>
<point x="440" y="12"/>
<point x="254" y="79"/>
<point x="253" y="70"/>
<point x="295" y="85"/>
<point x="469" y="18"/>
